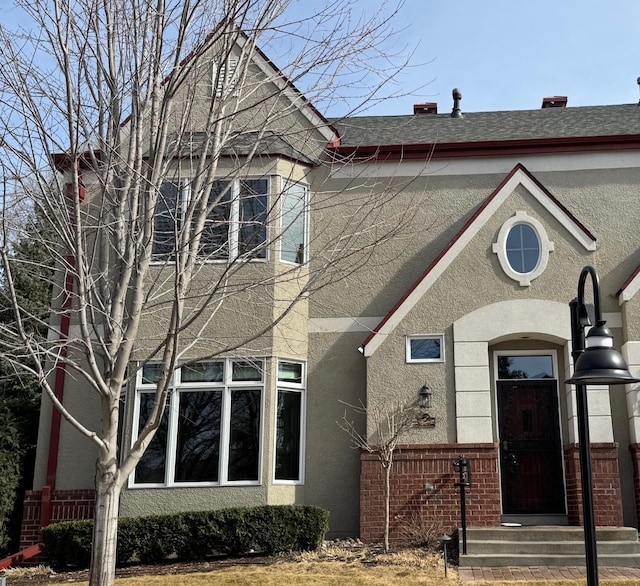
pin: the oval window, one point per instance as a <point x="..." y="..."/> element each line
<point x="523" y="248"/>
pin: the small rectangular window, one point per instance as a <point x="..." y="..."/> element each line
<point x="246" y="371"/>
<point x="202" y="372"/>
<point x="290" y="372"/>
<point x="425" y="348"/>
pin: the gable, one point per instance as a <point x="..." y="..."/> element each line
<point x="519" y="176"/>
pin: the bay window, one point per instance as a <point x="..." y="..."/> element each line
<point x="211" y="428"/>
<point x="235" y="224"/>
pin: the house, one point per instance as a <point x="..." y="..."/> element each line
<point x="494" y="215"/>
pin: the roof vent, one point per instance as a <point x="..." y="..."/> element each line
<point x="555" y="102"/>
<point x="425" y="108"/>
<point x="457" y="97"/>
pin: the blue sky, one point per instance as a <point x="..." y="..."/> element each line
<point x="509" y="54"/>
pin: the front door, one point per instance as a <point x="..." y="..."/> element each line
<point x="530" y="448"/>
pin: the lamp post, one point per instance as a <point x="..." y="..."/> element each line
<point x="595" y="362"/>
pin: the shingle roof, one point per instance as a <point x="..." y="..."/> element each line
<point x="585" y="121"/>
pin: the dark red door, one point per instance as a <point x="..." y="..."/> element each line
<point x="530" y="448"/>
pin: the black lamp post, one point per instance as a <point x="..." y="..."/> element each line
<point x="595" y="362"/>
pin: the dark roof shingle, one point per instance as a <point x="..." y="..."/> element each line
<point x="584" y="121"/>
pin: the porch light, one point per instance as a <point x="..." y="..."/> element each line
<point x="600" y="363"/>
<point x="424" y="397"/>
<point x="595" y="362"/>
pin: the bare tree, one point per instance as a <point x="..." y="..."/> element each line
<point x="389" y="423"/>
<point x="135" y="124"/>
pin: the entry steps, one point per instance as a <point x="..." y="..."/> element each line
<point x="547" y="546"/>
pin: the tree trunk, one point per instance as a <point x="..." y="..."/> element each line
<point x="387" y="497"/>
<point x="105" y="529"/>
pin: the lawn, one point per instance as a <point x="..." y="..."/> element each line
<point x="330" y="566"/>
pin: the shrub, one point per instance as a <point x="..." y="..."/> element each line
<point x="195" y="535"/>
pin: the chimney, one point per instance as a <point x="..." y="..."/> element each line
<point x="425" y="108"/>
<point x="554" y="102"/>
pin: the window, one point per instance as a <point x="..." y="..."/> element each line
<point x="235" y="224"/>
<point x="522" y="366"/>
<point x="293" y="224"/>
<point x="289" y="422"/>
<point x="211" y="429"/>
<point x="425" y="348"/>
<point x="523" y="248"/>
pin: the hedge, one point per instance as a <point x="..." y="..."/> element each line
<point x="194" y="535"/>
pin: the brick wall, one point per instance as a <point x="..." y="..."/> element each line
<point x="635" y="458"/>
<point x="607" y="497"/>
<point x="66" y="505"/>
<point x="414" y="508"/>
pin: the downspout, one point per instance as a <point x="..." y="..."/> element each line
<point x="61" y="374"/>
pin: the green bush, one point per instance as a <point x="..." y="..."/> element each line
<point x="194" y="535"/>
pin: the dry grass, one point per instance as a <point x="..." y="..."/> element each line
<point x="330" y="566"/>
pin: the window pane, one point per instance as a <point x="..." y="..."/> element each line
<point x="151" y="467"/>
<point x="198" y="441"/>
<point x="519" y="367"/>
<point x="244" y="435"/>
<point x="290" y="372"/>
<point x="523" y="248"/>
<point x="292" y="244"/>
<point x="214" y="242"/>
<point x="202" y="372"/>
<point x="151" y="373"/>
<point x="166" y="218"/>
<point x="425" y="348"/>
<point x="247" y="371"/>
<point x="288" y="435"/>
<point x="253" y="217"/>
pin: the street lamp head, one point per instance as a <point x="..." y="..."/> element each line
<point x="600" y="363"/>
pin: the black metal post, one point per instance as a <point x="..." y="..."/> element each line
<point x="461" y="466"/>
<point x="580" y="319"/>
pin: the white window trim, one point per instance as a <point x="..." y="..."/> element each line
<point x="305" y="220"/>
<point x="410" y="360"/>
<point x="302" y="389"/>
<point x="500" y="248"/>
<point x="226" y="386"/>
<point x="234" y="221"/>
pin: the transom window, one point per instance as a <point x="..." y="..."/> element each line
<point x="211" y="428"/>
<point x="524" y="366"/>
<point x="523" y="248"/>
<point x="428" y="348"/>
<point x="235" y="224"/>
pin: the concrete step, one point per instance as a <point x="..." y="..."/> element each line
<point x="548" y="546"/>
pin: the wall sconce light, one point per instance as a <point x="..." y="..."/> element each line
<point x="424" y="397"/>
